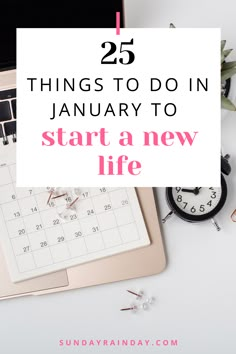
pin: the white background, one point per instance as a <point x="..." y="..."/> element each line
<point x="158" y="54"/>
<point x="196" y="294"/>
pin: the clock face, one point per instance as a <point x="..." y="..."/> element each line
<point x="197" y="203"/>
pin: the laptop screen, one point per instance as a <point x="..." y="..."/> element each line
<point x="77" y="14"/>
<point x="7" y="48"/>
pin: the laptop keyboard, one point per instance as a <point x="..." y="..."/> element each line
<point x="8" y="115"/>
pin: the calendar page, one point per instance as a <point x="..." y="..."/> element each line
<point x="46" y="229"/>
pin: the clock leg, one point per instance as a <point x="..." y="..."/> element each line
<point x="167" y="216"/>
<point x="215" y="224"/>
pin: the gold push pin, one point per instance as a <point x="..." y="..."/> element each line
<point x="132" y="308"/>
<point x="59" y="196"/>
<point x="49" y="198"/>
<point x="71" y="204"/>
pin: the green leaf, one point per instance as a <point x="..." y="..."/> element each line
<point x="226" y="74"/>
<point x="222" y="57"/>
<point x="229" y="65"/>
<point x="223" y="42"/>
<point x="227" y="104"/>
<point x="227" y="52"/>
<point x="172" y="26"/>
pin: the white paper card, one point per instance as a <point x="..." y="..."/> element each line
<point x="79" y="90"/>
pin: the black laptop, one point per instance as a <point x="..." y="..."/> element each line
<point x="49" y="14"/>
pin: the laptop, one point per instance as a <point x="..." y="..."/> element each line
<point x="135" y="263"/>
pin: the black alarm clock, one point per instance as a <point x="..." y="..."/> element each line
<point x="199" y="203"/>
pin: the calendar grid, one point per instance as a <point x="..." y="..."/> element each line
<point x="134" y="219"/>
<point x="99" y="227"/>
<point x="41" y="239"/>
<point x="23" y="224"/>
<point x="44" y="231"/>
<point x="78" y="222"/>
<point x="55" y="207"/>
<point x="52" y="227"/>
<point x="91" y="252"/>
<point x="115" y="218"/>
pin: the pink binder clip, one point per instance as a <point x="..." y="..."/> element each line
<point x="118" y="23"/>
<point x="233" y="216"/>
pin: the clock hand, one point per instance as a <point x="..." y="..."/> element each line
<point x="189" y="190"/>
<point x="194" y="191"/>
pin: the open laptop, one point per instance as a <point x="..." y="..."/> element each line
<point x="8" y="119"/>
<point x="136" y="263"/>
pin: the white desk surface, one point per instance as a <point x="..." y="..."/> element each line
<point x="196" y="294"/>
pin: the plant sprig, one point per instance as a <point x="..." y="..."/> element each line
<point x="228" y="69"/>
